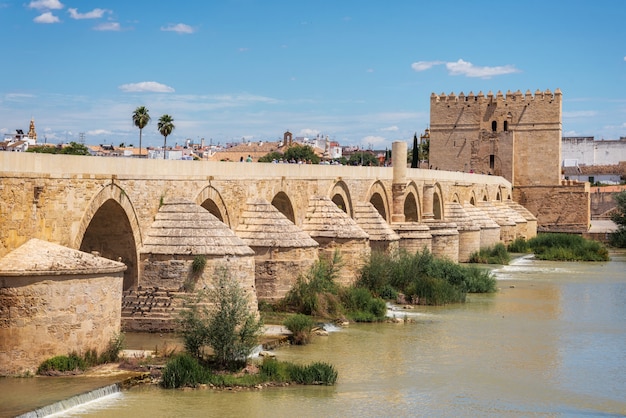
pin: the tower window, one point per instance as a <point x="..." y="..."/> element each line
<point x="506" y="125"/>
<point x="494" y="126"/>
<point x="492" y="161"/>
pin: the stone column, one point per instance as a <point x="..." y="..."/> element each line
<point x="429" y="197"/>
<point x="398" y="186"/>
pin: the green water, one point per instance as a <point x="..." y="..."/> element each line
<point x="550" y="343"/>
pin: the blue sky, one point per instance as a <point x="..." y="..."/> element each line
<point x="360" y="71"/>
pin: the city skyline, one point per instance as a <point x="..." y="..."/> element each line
<point x="359" y="72"/>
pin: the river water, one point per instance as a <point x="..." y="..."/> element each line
<point x="550" y="343"/>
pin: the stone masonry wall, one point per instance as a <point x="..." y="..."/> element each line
<point x="44" y="317"/>
<point x="563" y="208"/>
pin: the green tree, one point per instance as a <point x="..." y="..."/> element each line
<point x="141" y="118"/>
<point x="268" y="158"/>
<point x="165" y="126"/>
<point x="363" y="158"/>
<point x="618" y="238"/>
<point x="298" y="152"/>
<point x="75" y="148"/>
<point x="221" y="318"/>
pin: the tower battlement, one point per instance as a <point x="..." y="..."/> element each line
<point x="480" y="98"/>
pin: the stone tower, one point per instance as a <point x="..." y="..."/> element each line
<point x="32" y="133"/>
<point x="517" y="136"/>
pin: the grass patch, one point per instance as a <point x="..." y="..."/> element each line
<point x="184" y="370"/>
<point x="75" y="363"/>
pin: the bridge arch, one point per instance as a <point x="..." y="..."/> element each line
<point x="282" y="202"/>
<point x="110" y="226"/>
<point x="377" y="196"/>
<point x="412" y="206"/>
<point x="210" y="199"/>
<point x="472" y="199"/>
<point x="340" y="195"/>
<point x="455" y="197"/>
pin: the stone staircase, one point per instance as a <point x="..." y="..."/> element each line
<point x="151" y="309"/>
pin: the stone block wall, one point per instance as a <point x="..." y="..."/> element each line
<point x="562" y="208"/>
<point x="46" y="316"/>
<point x="277" y="273"/>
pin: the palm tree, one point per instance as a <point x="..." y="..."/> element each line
<point x="141" y="119"/>
<point x="166" y="126"/>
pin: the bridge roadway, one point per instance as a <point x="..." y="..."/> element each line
<point x="107" y="204"/>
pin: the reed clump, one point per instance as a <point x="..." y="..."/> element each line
<point x="423" y="278"/>
<point x="491" y="255"/>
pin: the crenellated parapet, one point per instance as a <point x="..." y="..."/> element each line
<point x="543" y="97"/>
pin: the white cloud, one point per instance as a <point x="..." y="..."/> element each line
<point x="45" y="5"/>
<point x="466" y="68"/>
<point x="309" y="133"/>
<point x="94" y="14"/>
<point x="96" y="132"/>
<point x="18" y="96"/>
<point x="425" y="65"/>
<point x="470" y="70"/>
<point x="178" y="28"/>
<point x="46" y="17"/>
<point x="373" y="141"/>
<point x="390" y="129"/>
<point x="146" y="86"/>
<point x="108" y="26"/>
<point x="624" y="58"/>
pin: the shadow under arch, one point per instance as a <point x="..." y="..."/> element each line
<point x="340" y="195"/>
<point x="438" y="202"/>
<point x="412" y="207"/>
<point x="377" y="196"/>
<point x="282" y="202"/>
<point x="210" y="199"/>
<point x="472" y="199"/>
<point x="110" y="227"/>
<point x="455" y="198"/>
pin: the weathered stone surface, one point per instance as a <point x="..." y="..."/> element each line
<point x="182" y="232"/>
<point x="414" y="237"/>
<point x="55" y="300"/>
<point x="489" y="229"/>
<point x="335" y="231"/>
<point x="469" y="231"/>
<point x="283" y="252"/>
<point x="445" y="242"/>
<point x="382" y="236"/>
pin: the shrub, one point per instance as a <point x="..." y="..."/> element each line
<point x="183" y="370"/>
<point x="112" y="352"/>
<point x="222" y="319"/>
<point x="314" y="374"/>
<point x="273" y="370"/>
<point x="479" y="280"/>
<point x="567" y="247"/>
<point x="519" y="245"/>
<point x="300" y="326"/>
<point x="62" y="364"/>
<point x="315" y="293"/>
<point x="492" y="255"/>
<point x="362" y="306"/>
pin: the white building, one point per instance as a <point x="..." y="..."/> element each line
<point x="576" y="151"/>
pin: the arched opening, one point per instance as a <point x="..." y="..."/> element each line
<point x="282" y="202"/>
<point x="437" y="206"/>
<point x="410" y="208"/>
<point x="494" y="126"/>
<point x="110" y="234"/>
<point x="377" y="201"/>
<point x="340" y="195"/>
<point x="472" y="201"/>
<point x="341" y="204"/>
<point x="213" y="209"/>
<point x="498" y="196"/>
<point x="484" y="198"/>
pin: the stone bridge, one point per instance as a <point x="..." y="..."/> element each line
<point x="108" y="205"/>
